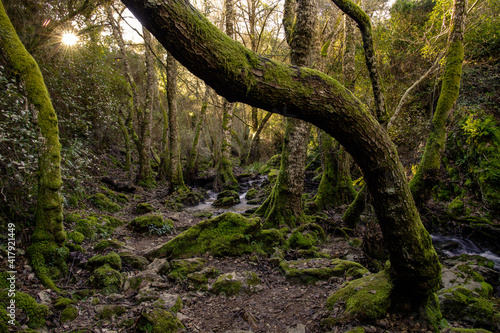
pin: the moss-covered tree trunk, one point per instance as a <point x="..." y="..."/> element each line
<point x="284" y="204"/>
<point x="49" y="236"/>
<point x="145" y="173"/>
<point x="254" y="152"/>
<point x="427" y="174"/>
<point x="225" y="176"/>
<point x="241" y="75"/>
<point x="191" y="168"/>
<point x="365" y="27"/>
<point x="336" y="187"/>
<point x="175" y="167"/>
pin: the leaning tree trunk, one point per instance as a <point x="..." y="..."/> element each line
<point x="284" y="204"/>
<point x="365" y="27"/>
<point x="254" y="153"/>
<point x="427" y="173"/>
<point x="175" y="167"/>
<point x="49" y="236"/>
<point x="225" y="176"/>
<point x="241" y="75"/>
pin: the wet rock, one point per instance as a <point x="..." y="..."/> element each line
<point x="227" y="198"/>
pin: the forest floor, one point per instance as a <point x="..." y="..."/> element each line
<point x="278" y="305"/>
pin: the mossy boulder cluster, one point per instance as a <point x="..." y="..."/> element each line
<point x="227" y="198"/>
<point x="106" y="272"/>
<point x="92" y="225"/>
<point x="35" y="313"/>
<point x="227" y="234"/>
<point x="152" y="224"/>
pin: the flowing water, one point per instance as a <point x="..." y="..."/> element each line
<point x="454" y="246"/>
<point x="206" y="206"/>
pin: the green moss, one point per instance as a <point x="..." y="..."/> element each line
<point x="158" y="321"/>
<point x="456" y="207"/>
<point x="311" y="270"/>
<point x="268" y="239"/>
<point x="226" y="284"/>
<point x="35" y="313"/>
<point x="180" y="268"/>
<point x="273" y="163"/>
<point x="112" y="259"/>
<point x="459" y="303"/>
<point x="144" y="208"/>
<point x="72" y="217"/>
<point x="367" y="297"/>
<point x="109" y="311"/>
<point x="69" y="314"/>
<point x="107" y="278"/>
<point x="199" y="280"/>
<point x="468" y="330"/>
<point x="48" y="261"/>
<point x="133" y="260"/>
<point x="108" y="243"/>
<point x="227" y="198"/>
<point x="62" y="302"/>
<point x="101" y="201"/>
<point x="76" y="237"/>
<point x="154" y="224"/>
<point x="251" y="194"/>
<point x="226" y="234"/>
<point x="356" y="330"/>
<point x="306" y="236"/>
<point x="4" y="283"/>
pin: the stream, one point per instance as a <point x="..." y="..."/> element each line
<point x="206" y="206"/>
<point x="453" y="246"/>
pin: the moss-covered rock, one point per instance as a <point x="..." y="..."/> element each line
<point x="62" y="303"/>
<point x="367" y="297"/>
<point x="226" y="234"/>
<point x="97" y="224"/>
<point x="105" y="244"/>
<point x="251" y="194"/>
<point x="157" y="320"/>
<point x="311" y="270"/>
<point x="112" y="259"/>
<point x="144" y="208"/>
<point x="154" y="224"/>
<point x="180" y="268"/>
<point x="227" y="198"/>
<point x="101" y="201"/>
<point x="69" y="314"/>
<point x="107" y="278"/>
<point x="460" y="303"/>
<point x="306" y="236"/>
<point x="233" y="283"/>
<point x="199" y="280"/>
<point x="35" y="313"/>
<point x="171" y="302"/>
<point x="268" y="239"/>
<point x="76" y="237"/>
<point x="133" y="260"/>
<point x="109" y="311"/>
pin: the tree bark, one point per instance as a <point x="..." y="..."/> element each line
<point x="191" y="168"/>
<point x="364" y="25"/>
<point x="225" y="176"/>
<point x="145" y="174"/>
<point x="284" y="204"/>
<point x="241" y="75"/>
<point x="427" y="173"/>
<point x="254" y="153"/>
<point x="49" y="236"/>
<point x="175" y="168"/>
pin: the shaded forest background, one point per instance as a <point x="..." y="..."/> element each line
<point x="131" y="119"/>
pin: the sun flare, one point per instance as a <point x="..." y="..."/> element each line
<point x="69" y="39"/>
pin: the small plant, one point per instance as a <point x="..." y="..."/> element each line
<point x="160" y="230"/>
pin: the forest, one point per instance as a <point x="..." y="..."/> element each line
<point x="283" y="166"/>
